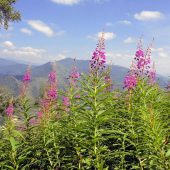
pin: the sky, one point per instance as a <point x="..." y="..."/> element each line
<point x="57" y="29"/>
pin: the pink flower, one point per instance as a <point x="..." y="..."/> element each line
<point x="10" y="110"/>
<point x="52" y="77"/>
<point x="98" y="58"/>
<point x="27" y="76"/>
<point x="74" y="76"/>
<point x="45" y="103"/>
<point x="52" y="93"/>
<point x="33" y="121"/>
<point x="130" y="82"/>
<point x="108" y="82"/>
<point x="141" y="63"/>
<point x="152" y="75"/>
<point x="25" y="83"/>
<point x="66" y="101"/>
<point x="77" y="96"/>
<point x="39" y="114"/>
<point x="139" y="53"/>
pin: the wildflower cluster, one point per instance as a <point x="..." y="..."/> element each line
<point x="10" y="110"/>
<point x="130" y="81"/>
<point x="74" y="76"/>
<point x="25" y="81"/>
<point x="50" y="94"/>
<point x="99" y="58"/>
<point x="88" y="124"/>
<point x="140" y="68"/>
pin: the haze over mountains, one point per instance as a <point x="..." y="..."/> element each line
<point x="11" y="74"/>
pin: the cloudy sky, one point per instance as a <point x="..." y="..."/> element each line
<point x="56" y="29"/>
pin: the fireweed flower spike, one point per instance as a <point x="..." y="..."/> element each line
<point x="52" y="87"/>
<point x="99" y="58"/>
<point x="25" y="81"/>
<point x="50" y="94"/>
<point x="39" y="114"/>
<point x="108" y="82"/>
<point x="140" y="68"/>
<point x="152" y="75"/>
<point x="130" y="81"/>
<point x="52" y="77"/>
<point x="74" y="76"/>
<point x="66" y="101"/>
<point x="10" y="110"/>
<point x="142" y="60"/>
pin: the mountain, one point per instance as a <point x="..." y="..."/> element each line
<point x="117" y="72"/>
<point x="11" y="74"/>
<point x="4" y="62"/>
<point x="10" y="82"/>
<point x="8" y="67"/>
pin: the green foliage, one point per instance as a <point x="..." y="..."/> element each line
<point x="8" y="13"/>
<point x="99" y="129"/>
<point x="5" y="96"/>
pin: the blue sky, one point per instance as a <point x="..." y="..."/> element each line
<point x="57" y="29"/>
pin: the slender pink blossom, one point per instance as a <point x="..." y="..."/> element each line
<point x="10" y="110"/>
<point x="77" y="96"/>
<point x="99" y="58"/>
<point x="52" y="93"/>
<point x="152" y="75"/>
<point x="52" y="77"/>
<point x="139" y="53"/>
<point x="130" y="81"/>
<point x="45" y="103"/>
<point x="74" y="76"/>
<point x="39" y="114"/>
<point x="142" y="62"/>
<point x="33" y="121"/>
<point x="66" y="101"/>
<point x="26" y="81"/>
<point x="140" y="68"/>
<point x="27" y="76"/>
<point x="108" y="82"/>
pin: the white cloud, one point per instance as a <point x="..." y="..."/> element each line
<point x="125" y="22"/>
<point x="162" y="54"/>
<point x="29" y="54"/>
<point x="8" y="44"/>
<point x="107" y="36"/>
<point x="129" y="40"/>
<point x="60" y="56"/>
<point x="24" y="52"/>
<point x="157" y="49"/>
<point x="161" y="57"/>
<point x="117" y="58"/>
<point x="148" y="15"/>
<point x="41" y="27"/>
<point x="26" y="31"/>
<point x="66" y="2"/>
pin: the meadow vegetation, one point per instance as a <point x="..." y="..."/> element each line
<point x="90" y="125"/>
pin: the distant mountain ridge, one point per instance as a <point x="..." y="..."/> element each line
<point x="11" y="74"/>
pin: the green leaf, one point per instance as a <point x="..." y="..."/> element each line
<point x="14" y="143"/>
<point x="168" y="153"/>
